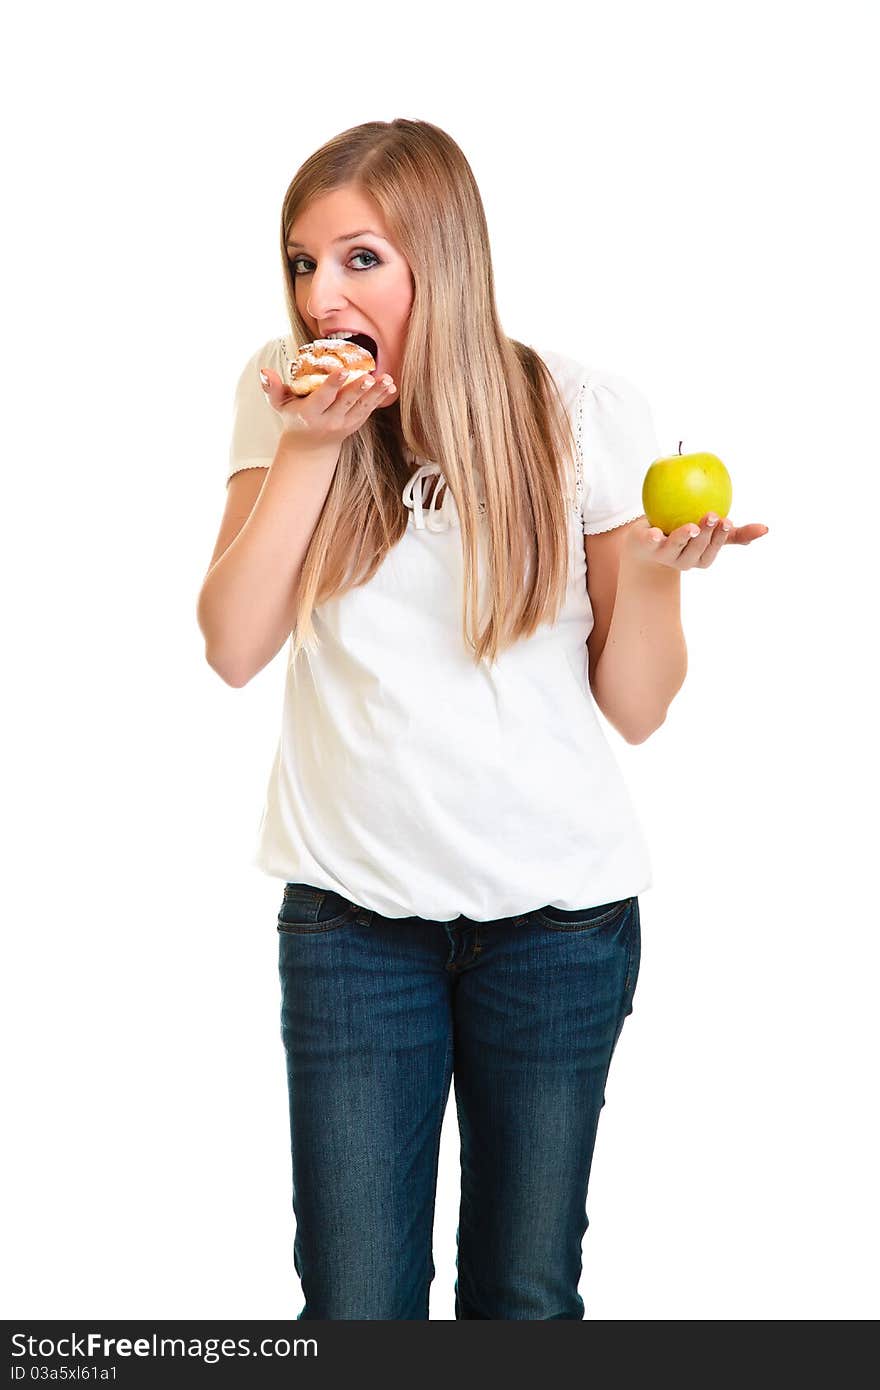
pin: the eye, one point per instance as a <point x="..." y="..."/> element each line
<point x="356" y="255"/>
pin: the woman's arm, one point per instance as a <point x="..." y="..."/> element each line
<point x="638" y="656"/>
<point x="247" y="604"/>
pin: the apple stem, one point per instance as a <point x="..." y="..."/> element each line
<point x="680" y="442"/>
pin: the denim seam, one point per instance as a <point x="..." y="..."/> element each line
<point x="436" y="1172"/>
<point x="631" y="957"/>
<point x="604" y="921"/>
<point x="623" y="1012"/>
<point x="313" y="929"/>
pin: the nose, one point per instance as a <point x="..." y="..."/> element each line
<point x="325" y="296"/>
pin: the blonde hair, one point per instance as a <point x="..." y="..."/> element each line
<point x="470" y="397"/>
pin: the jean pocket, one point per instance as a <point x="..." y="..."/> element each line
<point x="584" y="918"/>
<point x="306" y="910"/>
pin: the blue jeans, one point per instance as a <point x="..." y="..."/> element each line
<point x="376" y="1015"/>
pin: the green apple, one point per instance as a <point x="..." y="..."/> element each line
<point x="683" y="488"/>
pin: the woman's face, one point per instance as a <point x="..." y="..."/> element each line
<point x="359" y="282"/>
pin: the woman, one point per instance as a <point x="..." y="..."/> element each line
<point x="461" y="859"/>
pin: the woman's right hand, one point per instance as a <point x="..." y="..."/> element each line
<point x="332" y="412"/>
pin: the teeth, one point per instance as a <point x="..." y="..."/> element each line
<point x="340" y="334"/>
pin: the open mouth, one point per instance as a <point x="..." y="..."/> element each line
<point x="365" y="341"/>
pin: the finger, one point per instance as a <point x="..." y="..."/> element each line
<point x="370" y="393"/>
<point x="352" y="388"/>
<point x="744" y="535"/>
<point x="354" y="393"/>
<point x="697" y="548"/>
<point x="328" y="392"/>
<point x="718" y="538"/>
<point x="682" y="539"/>
<point x="652" y="541"/>
<point x="275" y="390"/>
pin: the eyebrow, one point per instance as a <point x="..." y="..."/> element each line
<point x="349" y="236"/>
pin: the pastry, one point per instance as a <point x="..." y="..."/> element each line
<point x="315" y="361"/>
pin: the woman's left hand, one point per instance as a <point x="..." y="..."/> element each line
<point x="689" y="547"/>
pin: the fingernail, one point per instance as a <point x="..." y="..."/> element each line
<point x="263" y="378"/>
<point x="711" y="519"/>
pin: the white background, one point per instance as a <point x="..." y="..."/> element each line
<point x="681" y="193"/>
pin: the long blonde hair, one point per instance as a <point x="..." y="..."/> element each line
<point x="471" y="399"/>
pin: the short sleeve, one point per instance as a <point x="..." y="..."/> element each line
<point x="617" y="445"/>
<point x="256" y="425"/>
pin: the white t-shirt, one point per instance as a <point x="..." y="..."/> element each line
<point x="416" y="783"/>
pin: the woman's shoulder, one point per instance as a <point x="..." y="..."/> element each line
<point x="561" y="364"/>
<point x="272" y="352"/>
<point x="569" y="373"/>
<point x="602" y="388"/>
<point x="574" y="370"/>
